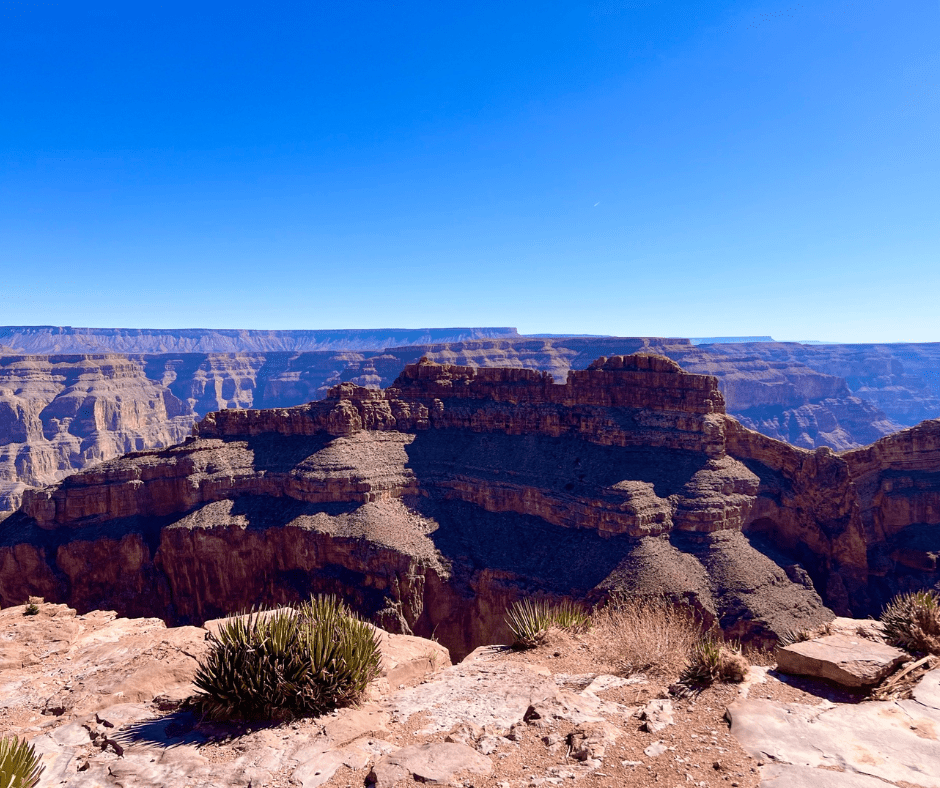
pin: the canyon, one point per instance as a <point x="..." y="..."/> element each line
<point x="62" y="411"/>
<point x="433" y="504"/>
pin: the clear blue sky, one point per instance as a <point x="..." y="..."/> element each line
<point x="683" y="167"/>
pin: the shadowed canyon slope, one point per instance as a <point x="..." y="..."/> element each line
<point x="432" y="505"/>
<point x="62" y="413"/>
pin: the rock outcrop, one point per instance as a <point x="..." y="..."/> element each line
<point x="809" y="396"/>
<point x="432" y="505"/>
<point x="453" y="472"/>
<point x="64" y="413"/>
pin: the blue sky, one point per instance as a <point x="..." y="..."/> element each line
<point x="680" y="168"/>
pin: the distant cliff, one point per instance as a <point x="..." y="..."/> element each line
<point x="36" y="340"/>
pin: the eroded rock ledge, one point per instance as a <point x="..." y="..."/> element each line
<point x="434" y="503"/>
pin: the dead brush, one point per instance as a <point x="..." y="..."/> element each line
<point x="650" y="635"/>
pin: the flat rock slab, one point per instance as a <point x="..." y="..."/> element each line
<point x="890" y="740"/>
<point x="848" y="660"/>
<point x="779" y="776"/>
<point x="435" y="763"/>
<point x="489" y="695"/>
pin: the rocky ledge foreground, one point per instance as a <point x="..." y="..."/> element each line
<point x="99" y="697"/>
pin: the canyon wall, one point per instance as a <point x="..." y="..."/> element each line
<point x="59" y="414"/>
<point x="431" y="505"/>
<point x="807" y="395"/>
<point x="50" y="340"/>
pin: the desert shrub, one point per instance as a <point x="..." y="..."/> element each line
<point x="530" y="620"/>
<point x="287" y="663"/>
<point x="19" y="764"/>
<point x="710" y="661"/>
<point x="31" y="609"/>
<point x="649" y="635"/>
<point x="792" y="636"/>
<point x="912" y="622"/>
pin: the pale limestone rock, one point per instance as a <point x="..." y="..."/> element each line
<point x="895" y="741"/>
<point x="589" y="742"/>
<point x="434" y="763"/>
<point x="777" y="775"/>
<point x="493" y="696"/>
<point x="849" y="660"/>
<point x="657" y="715"/>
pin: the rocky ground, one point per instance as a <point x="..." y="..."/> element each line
<point x="99" y="698"/>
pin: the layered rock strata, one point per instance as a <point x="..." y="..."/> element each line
<point x="430" y="505"/>
<point x="809" y="396"/>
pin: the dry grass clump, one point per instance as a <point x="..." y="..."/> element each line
<point x="650" y="635"/>
<point x="912" y="622"/>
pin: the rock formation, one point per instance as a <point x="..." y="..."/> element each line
<point x="809" y="396"/>
<point x="58" y="414"/>
<point x="47" y="340"/>
<point x="431" y="505"/>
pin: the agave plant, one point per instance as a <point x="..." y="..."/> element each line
<point x="704" y="664"/>
<point x="571" y="616"/>
<point x="19" y="764"/>
<point x="287" y="663"/>
<point x="712" y="660"/>
<point x="912" y="622"/>
<point x="530" y="619"/>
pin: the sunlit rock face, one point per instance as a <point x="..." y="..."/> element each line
<point x="431" y="505"/>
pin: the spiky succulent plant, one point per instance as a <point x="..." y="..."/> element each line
<point x="287" y="663"/>
<point x="711" y="660"/>
<point x="19" y="764"/>
<point x="912" y="622"/>
<point x="530" y="619"/>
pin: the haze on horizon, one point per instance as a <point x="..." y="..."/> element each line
<point x="639" y="168"/>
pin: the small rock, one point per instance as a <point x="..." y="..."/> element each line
<point x="658" y="715"/>
<point x="488" y="745"/>
<point x="656" y="749"/>
<point x="589" y="742"/>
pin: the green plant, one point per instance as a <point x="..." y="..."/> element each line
<point x="570" y="616"/>
<point x="529" y="620"/>
<point x="792" y="636"/>
<point x="19" y="764"/>
<point x="912" y="622"/>
<point x="32" y="609"/>
<point x="287" y="663"/>
<point x="710" y="660"/>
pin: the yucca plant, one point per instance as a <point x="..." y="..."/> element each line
<point x="709" y="661"/>
<point x="19" y="764"/>
<point x="288" y="663"/>
<point x="912" y="622"/>
<point x="792" y="636"/>
<point x="704" y="664"/>
<point x="530" y="619"/>
<point x="570" y="616"/>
